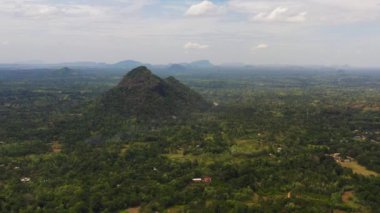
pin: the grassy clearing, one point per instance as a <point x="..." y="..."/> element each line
<point x="133" y="210"/>
<point x="349" y="199"/>
<point x="205" y="159"/>
<point x="176" y="209"/>
<point x="56" y="147"/>
<point x="358" y="169"/>
<point x="254" y="201"/>
<point x="238" y="152"/>
<point x="124" y="149"/>
<point x="247" y="146"/>
<point x="348" y="196"/>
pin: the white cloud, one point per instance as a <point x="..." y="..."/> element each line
<point x="4" y="43"/>
<point x="300" y="17"/>
<point x="280" y="14"/>
<point x="314" y="11"/>
<point x="193" y="45"/>
<point x="57" y="9"/>
<point x="36" y="9"/>
<point x="82" y="10"/>
<point x="262" y="46"/>
<point x="203" y="8"/>
<point x="134" y="5"/>
<point x="64" y="30"/>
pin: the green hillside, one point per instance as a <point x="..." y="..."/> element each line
<point x="143" y="95"/>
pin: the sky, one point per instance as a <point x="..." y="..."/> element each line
<point x="282" y="32"/>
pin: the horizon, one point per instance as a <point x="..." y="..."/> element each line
<point x="257" y="32"/>
<point x="85" y="64"/>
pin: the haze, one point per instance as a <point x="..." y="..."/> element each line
<point x="308" y="32"/>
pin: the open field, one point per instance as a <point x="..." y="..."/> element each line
<point x="247" y="146"/>
<point x="241" y="149"/>
<point x="358" y="169"/>
<point x="133" y="210"/>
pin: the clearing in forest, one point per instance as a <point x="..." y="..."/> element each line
<point x="176" y="209"/>
<point x="247" y="146"/>
<point x="349" y="199"/>
<point x="238" y="151"/>
<point x="56" y="147"/>
<point x="133" y="210"/>
<point x="358" y="169"/>
<point x="347" y="196"/>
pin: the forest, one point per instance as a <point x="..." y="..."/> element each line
<point x="274" y="140"/>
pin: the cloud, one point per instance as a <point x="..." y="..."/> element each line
<point x="280" y="14"/>
<point x="64" y="30"/>
<point x="324" y="12"/>
<point x="33" y="9"/>
<point x="203" y="8"/>
<point x="4" y="43"/>
<point x="131" y="6"/>
<point x="193" y="45"/>
<point x="262" y="46"/>
<point x="300" y="17"/>
<point x="62" y="9"/>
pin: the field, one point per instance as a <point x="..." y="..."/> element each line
<point x="358" y="169"/>
<point x="238" y="151"/>
<point x="133" y="210"/>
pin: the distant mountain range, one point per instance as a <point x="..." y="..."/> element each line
<point x="126" y="64"/>
<point x="170" y="69"/>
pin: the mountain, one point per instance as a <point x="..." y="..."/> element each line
<point x="127" y="64"/>
<point x="82" y="64"/>
<point x="143" y="95"/>
<point x="65" y="72"/>
<point x="122" y="65"/>
<point x="177" y="68"/>
<point x="201" y="64"/>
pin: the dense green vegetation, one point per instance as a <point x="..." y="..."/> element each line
<point x="266" y="144"/>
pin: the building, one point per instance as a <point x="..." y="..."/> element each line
<point x="339" y="159"/>
<point x="197" y="180"/>
<point x="25" y="179"/>
<point x="336" y="157"/>
<point x="206" y="179"/>
<point x="289" y="196"/>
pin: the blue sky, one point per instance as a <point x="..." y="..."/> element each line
<point x="299" y="32"/>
